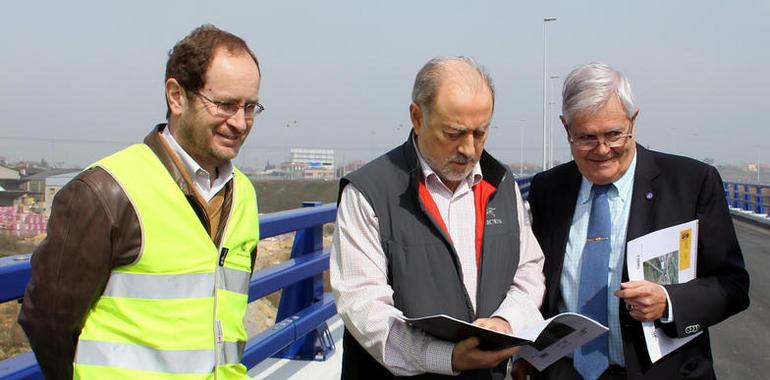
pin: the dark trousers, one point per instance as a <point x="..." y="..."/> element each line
<point x="565" y="370"/>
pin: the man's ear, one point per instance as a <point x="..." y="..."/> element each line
<point x="176" y="97"/>
<point x="415" y="113"/>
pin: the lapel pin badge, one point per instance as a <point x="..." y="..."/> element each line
<point x="649" y="196"/>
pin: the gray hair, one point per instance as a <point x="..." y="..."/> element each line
<point x="589" y="87"/>
<point x="429" y="79"/>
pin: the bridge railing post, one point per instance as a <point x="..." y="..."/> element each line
<point x="303" y="294"/>
<point x="726" y="191"/>
<point x="746" y="198"/>
<point x="766" y="193"/>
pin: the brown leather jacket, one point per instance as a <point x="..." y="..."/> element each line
<point x="93" y="228"/>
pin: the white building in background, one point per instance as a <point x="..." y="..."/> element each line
<point x="43" y="186"/>
<point x="311" y="163"/>
<point x="53" y="184"/>
<point x="7" y="173"/>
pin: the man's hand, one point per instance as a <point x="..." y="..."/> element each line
<point x="522" y="370"/>
<point x="494" y="323"/>
<point x="466" y="355"/>
<point x="645" y="300"/>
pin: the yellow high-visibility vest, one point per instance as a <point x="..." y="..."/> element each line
<point x="177" y="312"/>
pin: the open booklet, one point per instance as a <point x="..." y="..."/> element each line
<point x="543" y="343"/>
<point x="667" y="256"/>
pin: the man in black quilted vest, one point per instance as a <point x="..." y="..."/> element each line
<point x="435" y="226"/>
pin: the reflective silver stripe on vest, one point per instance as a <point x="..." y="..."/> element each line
<point x="132" y="356"/>
<point x="234" y="280"/>
<point x="160" y="286"/>
<point x="170" y="286"/>
<point x="230" y="352"/>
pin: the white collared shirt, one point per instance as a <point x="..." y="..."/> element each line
<point x="365" y="300"/>
<point x="200" y="177"/>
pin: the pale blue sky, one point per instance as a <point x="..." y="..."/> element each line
<point x="343" y="70"/>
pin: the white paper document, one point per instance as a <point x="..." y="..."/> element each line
<point x="557" y="337"/>
<point x="666" y="256"/>
<point x="541" y="343"/>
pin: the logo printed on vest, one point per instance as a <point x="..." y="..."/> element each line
<point x="491" y="217"/>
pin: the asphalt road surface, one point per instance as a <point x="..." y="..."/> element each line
<point x="741" y="344"/>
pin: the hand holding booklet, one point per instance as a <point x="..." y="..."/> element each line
<point x="667" y="256"/>
<point x="543" y="342"/>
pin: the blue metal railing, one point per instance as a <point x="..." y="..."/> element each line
<point x="303" y="321"/>
<point x="300" y="331"/>
<point x="748" y="197"/>
<point x="524" y="183"/>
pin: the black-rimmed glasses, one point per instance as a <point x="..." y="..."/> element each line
<point x="228" y="109"/>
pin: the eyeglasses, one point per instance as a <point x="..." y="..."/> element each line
<point x="613" y="139"/>
<point x="228" y="109"/>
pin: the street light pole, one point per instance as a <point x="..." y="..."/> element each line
<point x="521" y="147"/>
<point x="551" y="122"/>
<point x="545" y="90"/>
<point x="758" y="166"/>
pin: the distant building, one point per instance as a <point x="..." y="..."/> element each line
<point x="10" y="198"/>
<point x="526" y="169"/>
<point x="28" y="168"/>
<point x="8" y="173"/>
<point x="9" y="178"/>
<point x="43" y="186"/>
<point x="311" y="163"/>
<point x="754" y="166"/>
<point x="354" y="165"/>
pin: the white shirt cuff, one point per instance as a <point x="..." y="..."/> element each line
<point x="440" y="358"/>
<point x="670" y="317"/>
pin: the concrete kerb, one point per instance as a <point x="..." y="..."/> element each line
<point x="761" y="220"/>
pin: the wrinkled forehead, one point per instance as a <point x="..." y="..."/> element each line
<point x="461" y="101"/>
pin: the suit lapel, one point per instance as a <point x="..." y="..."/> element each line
<point x="642" y="214"/>
<point x="641" y="217"/>
<point x="563" y="211"/>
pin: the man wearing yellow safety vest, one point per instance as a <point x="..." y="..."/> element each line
<point x="145" y="270"/>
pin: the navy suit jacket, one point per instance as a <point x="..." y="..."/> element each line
<point x="668" y="190"/>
